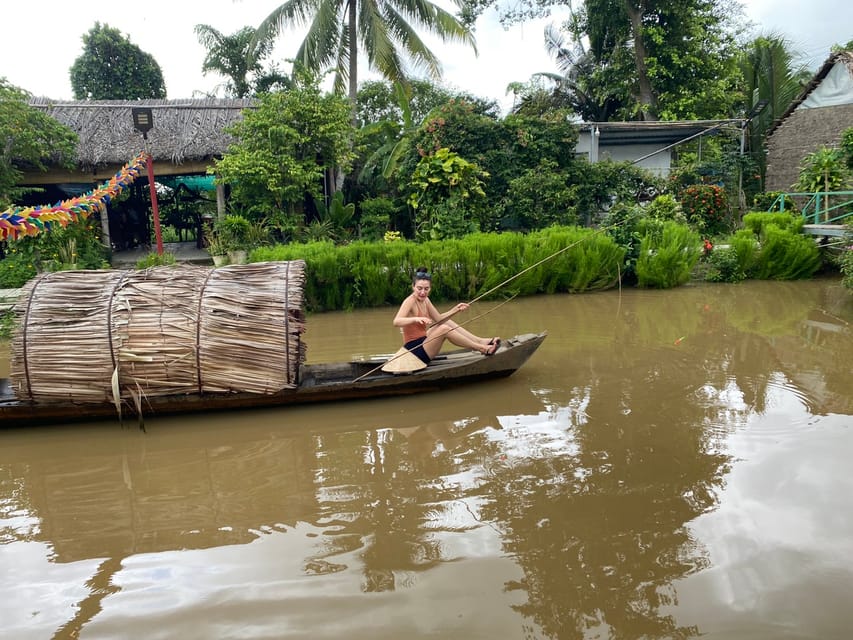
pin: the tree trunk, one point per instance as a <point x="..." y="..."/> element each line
<point x="645" y="95"/>
<point x="352" y="30"/>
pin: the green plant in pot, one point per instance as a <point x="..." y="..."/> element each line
<point x="216" y="248"/>
<point x="233" y="232"/>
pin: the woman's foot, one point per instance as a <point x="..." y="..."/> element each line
<point x="492" y="347"/>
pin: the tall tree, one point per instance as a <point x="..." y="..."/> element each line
<point x="284" y="146"/>
<point x="386" y="30"/>
<point x="381" y="100"/>
<point x="579" y="84"/>
<point x="771" y="77"/>
<point x="674" y="57"/>
<point x="28" y="139"/>
<point x="111" y="67"/>
<point x="239" y="58"/>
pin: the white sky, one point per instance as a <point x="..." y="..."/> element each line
<point x="42" y="38"/>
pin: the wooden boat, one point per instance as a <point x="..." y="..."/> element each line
<point x="316" y="383"/>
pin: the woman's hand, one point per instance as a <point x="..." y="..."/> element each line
<point x="462" y="306"/>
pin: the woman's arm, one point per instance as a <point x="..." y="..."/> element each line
<point x="438" y="317"/>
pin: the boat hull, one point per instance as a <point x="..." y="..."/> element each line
<point x="318" y="383"/>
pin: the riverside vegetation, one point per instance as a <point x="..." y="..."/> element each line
<point x="642" y="246"/>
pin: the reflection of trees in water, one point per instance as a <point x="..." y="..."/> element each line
<point x="602" y="533"/>
<point x="378" y="501"/>
<point x="601" y="530"/>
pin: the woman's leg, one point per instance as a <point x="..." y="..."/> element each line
<point x="457" y="335"/>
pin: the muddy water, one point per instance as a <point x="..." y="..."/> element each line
<point x="669" y="465"/>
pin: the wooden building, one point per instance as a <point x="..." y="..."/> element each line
<point x="186" y="137"/>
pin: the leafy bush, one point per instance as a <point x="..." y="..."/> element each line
<point x="16" y="269"/>
<point x="233" y="231"/>
<point x="665" y="207"/>
<point x="376" y="216"/>
<point x="668" y="253"/>
<point x="539" y="198"/>
<point x="75" y="246"/>
<point x="155" y="259"/>
<point x="822" y="170"/>
<point x="846" y="266"/>
<point x="447" y="192"/>
<point x="622" y="223"/>
<point x="745" y="245"/>
<point x="757" y="221"/>
<point x="724" y="266"/>
<point x="785" y="255"/>
<point x="763" y="202"/>
<point x="707" y="208"/>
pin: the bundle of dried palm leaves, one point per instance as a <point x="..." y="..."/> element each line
<point x="95" y="336"/>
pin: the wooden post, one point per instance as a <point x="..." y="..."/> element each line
<point x="220" y="201"/>
<point x="154" y="209"/>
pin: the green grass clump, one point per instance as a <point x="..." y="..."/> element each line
<point x="785" y="256"/>
<point x="668" y="253"/>
<point x="370" y="274"/>
<point x="757" y="221"/>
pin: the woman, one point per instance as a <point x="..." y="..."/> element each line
<point x="425" y="329"/>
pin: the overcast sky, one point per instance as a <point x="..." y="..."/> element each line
<point x="42" y="38"/>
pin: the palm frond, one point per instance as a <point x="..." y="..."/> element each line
<point x="379" y="41"/>
<point x="293" y="12"/>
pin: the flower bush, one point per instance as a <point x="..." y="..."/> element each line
<point x="707" y="208"/>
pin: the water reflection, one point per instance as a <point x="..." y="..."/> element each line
<point x="579" y="495"/>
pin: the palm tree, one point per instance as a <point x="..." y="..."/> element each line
<point x="385" y="29"/>
<point x="575" y="84"/>
<point x="238" y="57"/>
<point x="769" y="74"/>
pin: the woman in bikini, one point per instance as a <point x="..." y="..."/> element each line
<point x="425" y="329"/>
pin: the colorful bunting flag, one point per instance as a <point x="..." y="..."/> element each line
<point x="16" y="222"/>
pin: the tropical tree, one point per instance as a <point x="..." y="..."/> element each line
<point x="379" y="100"/>
<point x="661" y="59"/>
<point x="823" y="170"/>
<point x="239" y="58"/>
<point x="771" y="81"/>
<point x="386" y="30"/>
<point x="283" y="148"/>
<point x="578" y="83"/>
<point x="113" y="68"/>
<point x="28" y="138"/>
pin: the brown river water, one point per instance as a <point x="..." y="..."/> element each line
<point x="669" y="464"/>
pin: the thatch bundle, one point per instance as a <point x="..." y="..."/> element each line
<point x="95" y="336"/>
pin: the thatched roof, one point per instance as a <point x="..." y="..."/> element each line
<point x="844" y="57"/>
<point x="184" y="130"/>
<point x="800" y="131"/>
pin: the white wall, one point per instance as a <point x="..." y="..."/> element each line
<point x="835" y="89"/>
<point x="659" y="163"/>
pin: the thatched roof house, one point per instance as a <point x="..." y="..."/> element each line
<point x="815" y="119"/>
<point x="186" y="136"/>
